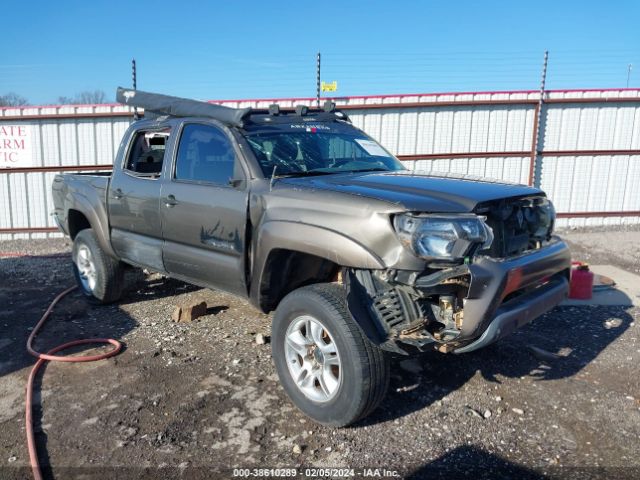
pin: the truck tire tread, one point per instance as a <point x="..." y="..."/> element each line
<point x="110" y="271"/>
<point x="373" y="361"/>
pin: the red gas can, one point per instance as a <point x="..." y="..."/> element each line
<point x="581" y="285"/>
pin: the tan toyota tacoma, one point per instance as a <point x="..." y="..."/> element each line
<point x="303" y="214"/>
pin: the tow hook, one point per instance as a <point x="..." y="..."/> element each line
<point x="446" y="335"/>
<point x="444" y="347"/>
<point x="451" y="316"/>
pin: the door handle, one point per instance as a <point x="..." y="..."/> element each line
<point x="170" y="201"/>
<point x="117" y="193"/>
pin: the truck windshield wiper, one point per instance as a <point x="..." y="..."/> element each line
<point x="309" y="173"/>
<point x="301" y="173"/>
<point x="374" y="169"/>
<point x="314" y="173"/>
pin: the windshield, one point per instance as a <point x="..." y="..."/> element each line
<point x="319" y="149"/>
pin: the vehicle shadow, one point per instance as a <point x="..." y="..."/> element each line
<point x="139" y="288"/>
<point x="469" y="462"/>
<point x="557" y="345"/>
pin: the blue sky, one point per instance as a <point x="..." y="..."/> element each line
<point x="256" y="49"/>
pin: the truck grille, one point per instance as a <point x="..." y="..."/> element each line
<point x="518" y="225"/>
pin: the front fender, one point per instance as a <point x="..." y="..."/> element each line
<point x="305" y="238"/>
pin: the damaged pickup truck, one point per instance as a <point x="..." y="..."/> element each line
<point x="301" y="212"/>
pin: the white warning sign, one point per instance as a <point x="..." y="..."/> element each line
<point x="15" y="146"/>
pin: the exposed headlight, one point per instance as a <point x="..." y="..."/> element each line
<point x="547" y="217"/>
<point x="443" y="237"/>
<point x="540" y="217"/>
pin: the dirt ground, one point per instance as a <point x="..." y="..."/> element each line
<point x="560" y="398"/>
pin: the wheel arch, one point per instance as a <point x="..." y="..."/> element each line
<point x="76" y="221"/>
<point x="287" y="270"/>
<point x="83" y="215"/>
<point x="290" y="255"/>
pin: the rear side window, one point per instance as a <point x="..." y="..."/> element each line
<point x="147" y="152"/>
<point x="205" y="154"/>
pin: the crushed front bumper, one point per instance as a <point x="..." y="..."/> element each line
<point x="497" y="296"/>
<point x="505" y="294"/>
<point x="520" y="311"/>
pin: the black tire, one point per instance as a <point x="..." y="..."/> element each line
<point x="109" y="272"/>
<point x="364" y="369"/>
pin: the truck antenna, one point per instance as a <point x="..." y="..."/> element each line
<point x="135" y="86"/>
<point x="318" y="80"/>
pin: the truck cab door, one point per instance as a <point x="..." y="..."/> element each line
<point x="204" y="212"/>
<point x="133" y="199"/>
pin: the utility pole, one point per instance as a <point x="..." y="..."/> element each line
<point x="533" y="164"/>
<point x="543" y="79"/>
<point x="318" y="80"/>
<point x="135" y="85"/>
<point x="629" y="68"/>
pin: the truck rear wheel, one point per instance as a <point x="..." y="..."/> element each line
<point x="99" y="276"/>
<point x="327" y="366"/>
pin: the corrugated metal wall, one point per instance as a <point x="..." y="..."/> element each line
<point x="587" y="158"/>
<point x="438" y="130"/>
<point x="582" y="182"/>
<point x="84" y="136"/>
<point x="427" y="130"/>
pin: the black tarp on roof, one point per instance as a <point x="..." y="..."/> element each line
<point x="180" y="107"/>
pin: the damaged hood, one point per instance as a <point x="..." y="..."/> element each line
<point x="420" y="192"/>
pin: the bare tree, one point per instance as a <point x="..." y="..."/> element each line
<point x="88" y="96"/>
<point x="97" y="96"/>
<point x="12" y="100"/>
<point x="66" y="100"/>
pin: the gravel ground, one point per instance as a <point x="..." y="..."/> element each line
<point x="618" y="246"/>
<point x="560" y="398"/>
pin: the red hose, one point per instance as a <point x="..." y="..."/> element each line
<point x="49" y="356"/>
<point x="21" y="255"/>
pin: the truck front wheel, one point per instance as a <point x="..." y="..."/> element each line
<point x="99" y="276"/>
<point x="326" y="364"/>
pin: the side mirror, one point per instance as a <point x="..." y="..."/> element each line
<point x="235" y="182"/>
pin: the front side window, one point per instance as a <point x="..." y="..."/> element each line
<point x="147" y="152"/>
<point x="205" y="154"/>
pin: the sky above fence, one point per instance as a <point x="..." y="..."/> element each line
<point x="252" y="49"/>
